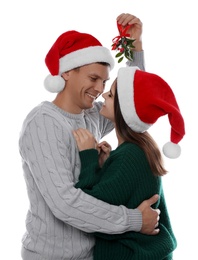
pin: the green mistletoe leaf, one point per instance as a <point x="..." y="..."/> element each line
<point x="124" y="47"/>
<point x="118" y="54"/>
<point x="120" y="59"/>
<point x="129" y="55"/>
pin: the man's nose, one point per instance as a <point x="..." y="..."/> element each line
<point x="100" y="87"/>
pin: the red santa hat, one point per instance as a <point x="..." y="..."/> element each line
<point x="143" y="98"/>
<point x="73" y="49"/>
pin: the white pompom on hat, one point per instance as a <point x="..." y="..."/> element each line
<point x="143" y="98"/>
<point x="73" y="49"/>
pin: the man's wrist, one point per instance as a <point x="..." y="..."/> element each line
<point x="138" y="46"/>
<point x="135" y="218"/>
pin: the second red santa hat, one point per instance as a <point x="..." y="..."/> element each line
<point x="143" y="98"/>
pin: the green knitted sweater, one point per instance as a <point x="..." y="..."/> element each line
<point x="126" y="179"/>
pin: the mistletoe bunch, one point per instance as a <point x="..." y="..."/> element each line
<point x="123" y="44"/>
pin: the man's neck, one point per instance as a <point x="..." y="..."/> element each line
<point x="63" y="102"/>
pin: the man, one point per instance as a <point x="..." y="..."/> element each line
<point x="61" y="218"/>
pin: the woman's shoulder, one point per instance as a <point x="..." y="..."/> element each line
<point x="129" y="147"/>
<point x="128" y="151"/>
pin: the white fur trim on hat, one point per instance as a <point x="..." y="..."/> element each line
<point x="85" y="56"/>
<point x="125" y="88"/>
<point x="76" y="59"/>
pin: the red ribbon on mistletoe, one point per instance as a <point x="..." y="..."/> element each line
<point x="123" y="44"/>
<point x="123" y="34"/>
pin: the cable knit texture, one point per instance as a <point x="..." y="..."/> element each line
<point x="59" y="213"/>
<point x="61" y="219"/>
<point x="126" y="179"/>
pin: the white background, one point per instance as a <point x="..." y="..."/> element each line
<point x="29" y="28"/>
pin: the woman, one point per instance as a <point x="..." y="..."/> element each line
<point x="133" y="171"/>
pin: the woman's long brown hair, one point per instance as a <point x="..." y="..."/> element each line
<point x="143" y="140"/>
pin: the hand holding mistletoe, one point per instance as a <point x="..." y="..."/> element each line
<point x="129" y="39"/>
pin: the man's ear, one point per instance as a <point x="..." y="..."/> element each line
<point x="65" y="75"/>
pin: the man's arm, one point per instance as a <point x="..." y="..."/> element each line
<point x="90" y="176"/>
<point x="135" y="32"/>
<point x="46" y="155"/>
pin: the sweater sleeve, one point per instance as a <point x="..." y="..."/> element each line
<point x="89" y="163"/>
<point x="126" y="178"/>
<point x="116" y="185"/>
<point x="45" y="156"/>
<point x="138" y="60"/>
<point x="119" y="179"/>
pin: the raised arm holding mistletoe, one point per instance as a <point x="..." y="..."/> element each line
<point x="129" y="38"/>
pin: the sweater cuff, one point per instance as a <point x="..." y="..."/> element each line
<point x="138" y="60"/>
<point x="135" y="217"/>
<point x="88" y="156"/>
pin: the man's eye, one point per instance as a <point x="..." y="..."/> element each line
<point x="109" y="95"/>
<point x="93" y="79"/>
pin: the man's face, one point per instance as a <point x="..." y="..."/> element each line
<point x="84" y="85"/>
